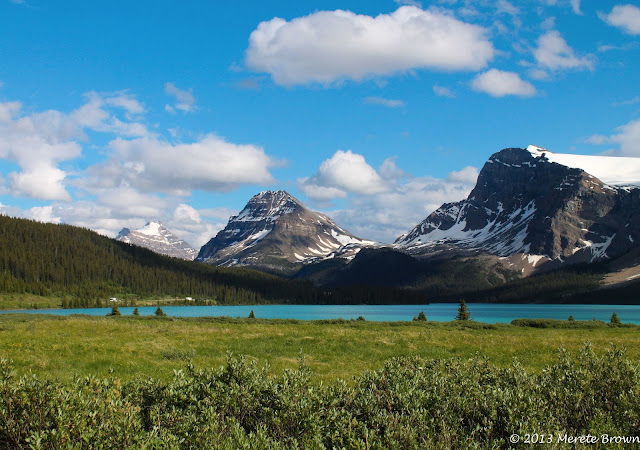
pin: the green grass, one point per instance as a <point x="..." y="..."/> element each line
<point x="28" y="301"/>
<point x="56" y="347"/>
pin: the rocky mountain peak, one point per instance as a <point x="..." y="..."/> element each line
<point x="267" y="205"/>
<point x="526" y="203"/>
<point x="156" y="237"/>
<point x="274" y="231"/>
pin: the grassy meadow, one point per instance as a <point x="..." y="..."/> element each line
<point x="56" y="347"/>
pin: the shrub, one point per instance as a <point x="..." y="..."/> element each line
<point x="411" y="402"/>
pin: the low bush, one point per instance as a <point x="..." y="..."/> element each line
<point x="411" y="402"/>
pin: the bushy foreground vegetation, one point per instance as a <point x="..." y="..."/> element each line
<point x="410" y="403"/>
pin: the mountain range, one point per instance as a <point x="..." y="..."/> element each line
<point x="531" y="211"/>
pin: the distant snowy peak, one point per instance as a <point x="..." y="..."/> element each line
<point x="156" y="237"/>
<point x="528" y="202"/>
<point x="274" y="230"/>
<point x="613" y="170"/>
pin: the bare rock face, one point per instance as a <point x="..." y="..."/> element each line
<point x="526" y="205"/>
<point x="158" y="238"/>
<point x="276" y="232"/>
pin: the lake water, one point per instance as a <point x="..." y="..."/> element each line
<point x="443" y="312"/>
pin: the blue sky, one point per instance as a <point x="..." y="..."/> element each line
<point x="116" y="113"/>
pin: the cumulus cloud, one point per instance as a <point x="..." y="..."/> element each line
<point x="187" y="223"/>
<point x="209" y="164"/>
<point x="389" y="103"/>
<point x="627" y="137"/>
<point x="385" y="203"/>
<point x="554" y="53"/>
<point x="343" y="173"/>
<point x="410" y="200"/>
<point x="329" y="46"/>
<point x="468" y="175"/>
<point x="498" y="83"/>
<point x="625" y="17"/>
<point x="185" y="101"/>
<point x="39" y="142"/>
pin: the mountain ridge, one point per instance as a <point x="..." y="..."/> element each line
<point x="525" y="203"/>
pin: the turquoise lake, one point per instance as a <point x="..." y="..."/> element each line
<point x="442" y="312"/>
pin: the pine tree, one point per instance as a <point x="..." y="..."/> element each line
<point x="570" y="319"/>
<point x="252" y="315"/>
<point x="421" y="317"/>
<point x="114" y="312"/>
<point x="463" y="311"/>
<point x="614" y="319"/>
<point x="136" y="312"/>
<point x="160" y="312"/>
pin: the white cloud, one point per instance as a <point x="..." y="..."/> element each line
<point x="498" y="83"/>
<point x="631" y="101"/>
<point x="385" y="203"/>
<point x="43" y="214"/>
<point x="329" y="46"/>
<point x="387" y="215"/>
<point x="443" y="91"/>
<point x="389" y="103"/>
<point x="187" y="223"/>
<point x="343" y="173"/>
<point x="538" y="74"/>
<point x="209" y="164"/>
<point x="127" y="102"/>
<point x="468" y="175"/>
<point x="41" y="181"/>
<point x="628" y="138"/>
<point x="185" y="101"/>
<point x="625" y="17"/>
<point x="597" y="139"/>
<point x="409" y="2"/>
<point x="505" y="7"/>
<point x="554" y="53"/>
<point x="548" y="24"/>
<point x="41" y="141"/>
<point x="575" y="5"/>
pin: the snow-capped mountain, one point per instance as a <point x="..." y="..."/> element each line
<point x="158" y="238"/>
<point x="275" y="231"/>
<point x="541" y="207"/>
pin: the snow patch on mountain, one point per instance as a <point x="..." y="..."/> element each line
<point x="613" y="170"/>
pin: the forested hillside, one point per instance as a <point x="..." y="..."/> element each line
<point x="47" y="259"/>
<point x="66" y="261"/>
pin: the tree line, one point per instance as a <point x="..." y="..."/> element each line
<point x="87" y="268"/>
